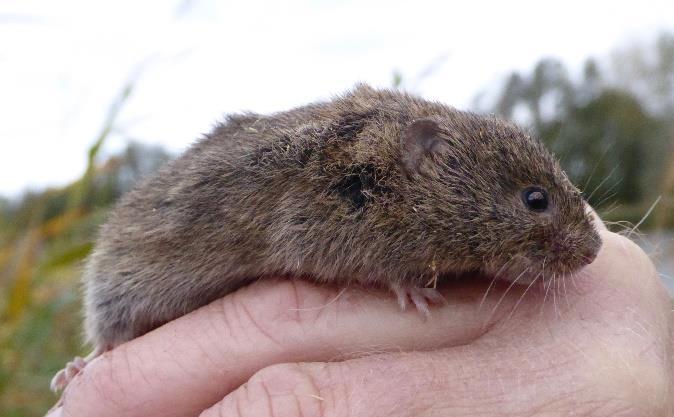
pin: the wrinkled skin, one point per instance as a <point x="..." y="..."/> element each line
<point x="598" y="345"/>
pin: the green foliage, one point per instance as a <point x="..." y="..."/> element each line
<point x="608" y="146"/>
<point x="613" y="128"/>
<point x="44" y="239"/>
<point x="43" y="243"/>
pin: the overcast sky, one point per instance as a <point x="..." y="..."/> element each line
<point x="62" y="63"/>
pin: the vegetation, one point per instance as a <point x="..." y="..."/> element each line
<point x="43" y="240"/>
<point x="613" y="129"/>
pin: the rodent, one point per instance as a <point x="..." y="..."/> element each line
<point x="373" y="187"/>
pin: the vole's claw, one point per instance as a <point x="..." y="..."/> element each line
<point x="65" y="375"/>
<point x="73" y="368"/>
<point x="420" y="297"/>
<point x="58" y="381"/>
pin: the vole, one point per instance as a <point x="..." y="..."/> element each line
<point x="374" y="187"/>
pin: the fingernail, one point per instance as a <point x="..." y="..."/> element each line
<point x="56" y="412"/>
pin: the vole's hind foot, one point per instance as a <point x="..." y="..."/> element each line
<point x="72" y="369"/>
<point x="65" y="375"/>
<point x="421" y="298"/>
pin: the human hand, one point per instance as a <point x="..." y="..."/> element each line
<point x="600" y="344"/>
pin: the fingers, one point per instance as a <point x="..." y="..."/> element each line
<point x="187" y="365"/>
<point x="455" y="382"/>
<point x="610" y="355"/>
<point x="402" y="385"/>
<point x="193" y="362"/>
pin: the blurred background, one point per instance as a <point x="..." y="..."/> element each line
<point x="94" y="95"/>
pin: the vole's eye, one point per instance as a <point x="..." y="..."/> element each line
<point x="535" y="198"/>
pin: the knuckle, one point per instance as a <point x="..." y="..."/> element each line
<point x="287" y="390"/>
<point x="275" y="310"/>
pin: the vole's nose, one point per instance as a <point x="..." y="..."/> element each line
<point x="572" y="254"/>
<point x="589" y="253"/>
<point x="588" y="256"/>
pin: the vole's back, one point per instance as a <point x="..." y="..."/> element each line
<point x="260" y="195"/>
<point x="376" y="187"/>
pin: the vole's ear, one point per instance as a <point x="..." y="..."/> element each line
<point x="420" y="140"/>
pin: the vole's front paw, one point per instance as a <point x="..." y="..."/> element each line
<point x="421" y="298"/>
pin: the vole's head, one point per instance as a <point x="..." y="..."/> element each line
<point x="497" y="197"/>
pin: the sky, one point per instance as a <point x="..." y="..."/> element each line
<point x="63" y="63"/>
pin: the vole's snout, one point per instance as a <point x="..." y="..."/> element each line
<point x="574" y="252"/>
<point x="587" y="253"/>
<point x="588" y="256"/>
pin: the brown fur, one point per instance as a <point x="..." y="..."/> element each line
<point x="349" y="190"/>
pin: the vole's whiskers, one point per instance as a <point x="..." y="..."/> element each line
<point x="626" y="228"/>
<point x="648" y="213"/>
<point x="498" y="304"/>
<point x="569" y="274"/>
<point x="493" y="280"/>
<point x="594" y="169"/>
<point x="609" y="209"/>
<point x="484" y="297"/>
<point x="566" y="294"/>
<point x="572" y="278"/>
<point x="545" y="296"/>
<point x="601" y="183"/>
<point x="330" y="302"/>
<point x="611" y="191"/>
<point x="531" y="284"/>
<point x="555" y="290"/>
<point x="606" y="198"/>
